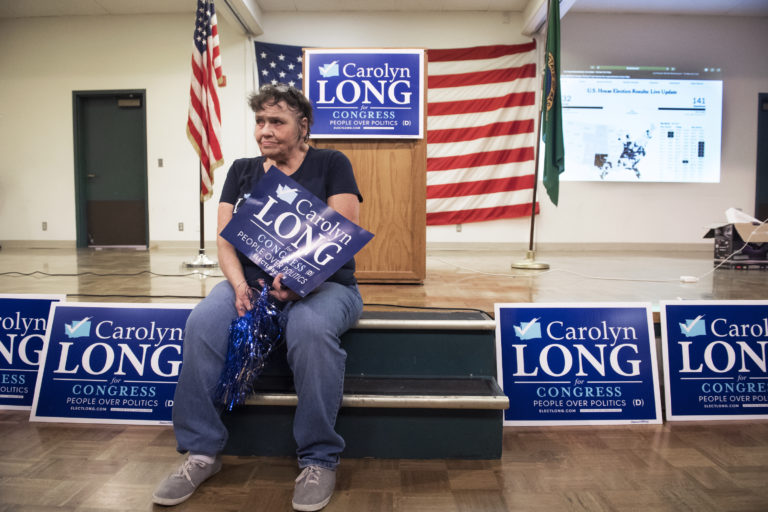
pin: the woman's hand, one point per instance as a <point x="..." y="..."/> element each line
<point x="229" y="263"/>
<point x="243" y="298"/>
<point x="281" y="292"/>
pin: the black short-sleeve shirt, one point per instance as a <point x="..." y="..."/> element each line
<point x="324" y="172"/>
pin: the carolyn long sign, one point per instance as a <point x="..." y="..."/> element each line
<point x="715" y="360"/>
<point x="368" y="94"/>
<point x="568" y="364"/>
<point x="23" y="320"/>
<point x="284" y="229"/>
<point x="110" y="363"/>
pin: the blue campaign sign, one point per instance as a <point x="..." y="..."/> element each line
<point x="374" y="93"/>
<point x="715" y="362"/>
<point x="110" y="363"/>
<point x="23" y="319"/>
<point x="284" y="228"/>
<point x="568" y="364"/>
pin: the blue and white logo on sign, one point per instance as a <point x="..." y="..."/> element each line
<point x="693" y="327"/>
<point x="329" y="70"/>
<point x="78" y="329"/>
<point x="528" y="330"/>
<point x="286" y="193"/>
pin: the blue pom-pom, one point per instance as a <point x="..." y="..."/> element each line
<point x="252" y="337"/>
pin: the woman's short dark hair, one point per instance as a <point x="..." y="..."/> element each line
<point x="270" y="95"/>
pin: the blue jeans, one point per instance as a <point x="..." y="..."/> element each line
<point x="315" y="324"/>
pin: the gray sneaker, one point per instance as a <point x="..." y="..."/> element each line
<point x="183" y="483"/>
<point x="314" y="488"/>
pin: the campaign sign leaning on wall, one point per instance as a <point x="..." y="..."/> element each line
<point x="283" y="228"/>
<point x="366" y="94"/>
<point x="23" y="318"/>
<point x="715" y="359"/>
<point x="566" y="364"/>
<point x="110" y="363"/>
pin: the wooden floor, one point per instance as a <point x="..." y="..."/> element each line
<point x="703" y="466"/>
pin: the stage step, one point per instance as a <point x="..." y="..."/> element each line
<point x="417" y="385"/>
<point x="405" y="393"/>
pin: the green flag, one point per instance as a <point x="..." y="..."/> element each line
<point x="552" y="110"/>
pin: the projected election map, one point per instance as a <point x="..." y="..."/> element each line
<point x="641" y="124"/>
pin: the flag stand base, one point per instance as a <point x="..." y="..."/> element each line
<point x="201" y="261"/>
<point x="530" y="263"/>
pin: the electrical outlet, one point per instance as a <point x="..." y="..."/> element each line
<point x="458" y="228"/>
<point x="181" y="226"/>
<point x="45" y="226"/>
<point x="159" y="162"/>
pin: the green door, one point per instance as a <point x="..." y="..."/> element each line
<point x="111" y="168"/>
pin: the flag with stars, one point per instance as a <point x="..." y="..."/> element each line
<point x="279" y="63"/>
<point x="204" y="121"/>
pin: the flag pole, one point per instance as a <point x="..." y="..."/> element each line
<point x="204" y="121"/>
<point x="530" y="263"/>
<point x="201" y="260"/>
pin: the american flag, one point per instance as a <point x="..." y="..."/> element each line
<point x="204" y="122"/>
<point x="480" y="127"/>
<point x="480" y="133"/>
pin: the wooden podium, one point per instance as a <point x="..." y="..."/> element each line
<point x="391" y="175"/>
<point x="391" y="172"/>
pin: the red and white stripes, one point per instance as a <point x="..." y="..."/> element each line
<point x="480" y="133"/>
<point x="204" y="122"/>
